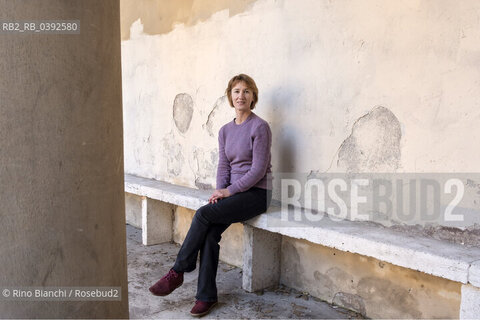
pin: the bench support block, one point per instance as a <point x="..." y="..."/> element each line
<point x="261" y="259"/>
<point x="470" y="304"/>
<point x="157" y="221"/>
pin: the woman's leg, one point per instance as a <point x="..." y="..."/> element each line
<point x="207" y="273"/>
<point x="187" y="256"/>
<point x="239" y="207"/>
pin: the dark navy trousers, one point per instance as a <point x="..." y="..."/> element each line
<point x="208" y="224"/>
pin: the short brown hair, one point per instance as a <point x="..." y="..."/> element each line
<point x="250" y="84"/>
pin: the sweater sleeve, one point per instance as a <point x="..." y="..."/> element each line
<point x="262" y="142"/>
<point x="223" y="169"/>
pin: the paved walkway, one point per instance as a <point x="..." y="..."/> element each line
<point x="148" y="264"/>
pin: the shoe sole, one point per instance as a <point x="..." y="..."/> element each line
<point x="163" y="295"/>
<point x="198" y="315"/>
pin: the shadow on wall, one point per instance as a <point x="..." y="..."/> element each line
<point x="280" y="105"/>
<point x="372" y="146"/>
<point x="183" y="157"/>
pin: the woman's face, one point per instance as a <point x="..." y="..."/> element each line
<point x="242" y="96"/>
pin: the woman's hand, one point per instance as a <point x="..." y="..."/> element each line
<point x="219" y="194"/>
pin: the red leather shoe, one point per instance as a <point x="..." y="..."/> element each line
<point x="202" y="308"/>
<point x="169" y="282"/>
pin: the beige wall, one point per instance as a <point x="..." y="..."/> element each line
<point x="320" y="66"/>
<point x="133" y="210"/>
<point x="323" y="69"/>
<point x="369" y="86"/>
<point x="372" y="287"/>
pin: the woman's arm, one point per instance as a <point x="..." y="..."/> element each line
<point x="262" y="142"/>
<point x="223" y="170"/>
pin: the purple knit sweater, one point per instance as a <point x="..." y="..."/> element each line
<point x="244" y="155"/>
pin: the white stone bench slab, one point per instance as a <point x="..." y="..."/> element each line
<point x="181" y="196"/>
<point x="474" y="274"/>
<point x="435" y="257"/>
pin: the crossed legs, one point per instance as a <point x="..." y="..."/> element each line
<point x="208" y="224"/>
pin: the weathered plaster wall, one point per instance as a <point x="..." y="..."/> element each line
<point x="232" y="239"/>
<point x="346" y="86"/>
<point x="366" y="285"/>
<point x="365" y="86"/>
<point x="161" y="16"/>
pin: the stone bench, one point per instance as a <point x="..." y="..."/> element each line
<point x="263" y="234"/>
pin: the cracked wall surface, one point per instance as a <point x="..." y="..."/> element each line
<point x="372" y="86"/>
<point x="367" y="285"/>
<point x="373" y="145"/>
<point x="160" y="16"/>
<point x="212" y="125"/>
<point x="346" y="86"/>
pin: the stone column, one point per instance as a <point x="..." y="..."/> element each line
<point x="62" y="210"/>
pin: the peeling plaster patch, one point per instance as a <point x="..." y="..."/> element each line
<point x="136" y="29"/>
<point x="213" y="114"/>
<point x="338" y="274"/>
<point x="373" y="145"/>
<point x="350" y="301"/>
<point x="324" y="283"/>
<point x="160" y="17"/>
<point x="183" y="111"/>
<point x="206" y="167"/>
<point x="173" y="153"/>
<point x="397" y="297"/>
